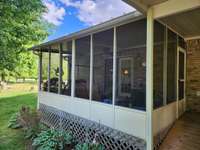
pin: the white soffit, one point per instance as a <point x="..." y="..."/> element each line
<point x="143" y="5"/>
<point x="186" y="23"/>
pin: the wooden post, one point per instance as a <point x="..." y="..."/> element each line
<point x="149" y="80"/>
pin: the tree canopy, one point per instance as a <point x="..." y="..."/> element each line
<point x="21" y="26"/>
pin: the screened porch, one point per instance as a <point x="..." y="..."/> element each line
<point x="99" y="74"/>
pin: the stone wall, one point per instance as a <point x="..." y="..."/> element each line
<point x="193" y="75"/>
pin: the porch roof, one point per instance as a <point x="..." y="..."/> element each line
<point x="182" y="16"/>
<point x="133" y="16"/>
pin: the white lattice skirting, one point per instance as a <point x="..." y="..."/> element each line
<point x="85" y="130"/>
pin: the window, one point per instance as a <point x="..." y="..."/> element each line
<point x="82" y="67"/>
<point x="103" y="66"/>
<point x="159" y="46"/>
<point x="44" y="72"/>
<point x="66" y="68"/>
<point x="131" y="65"/>
<point x="171" y="66"/>
<point x="54" y="68"/>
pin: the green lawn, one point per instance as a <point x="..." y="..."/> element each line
<point x="11" y="101"/>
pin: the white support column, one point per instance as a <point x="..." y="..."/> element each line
<point x="114" y="72"/>
<point x="39" y="71"/>
<point x="149" y="80"/>
<point x="91" y="72"/>
<point x="60" y="69"/>
<point x="73" y="69"/>
<point x="91" y="66"/>
<point x="49" y="70"/>
<point x="39" y="76"/>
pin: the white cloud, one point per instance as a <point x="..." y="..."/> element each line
<point x="54" y="14"/>
<point x="96" y="11"/>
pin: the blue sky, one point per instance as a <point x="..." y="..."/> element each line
<point x="73" y="15"/>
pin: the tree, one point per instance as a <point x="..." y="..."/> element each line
<point x="26" y="67"/>
<point x="21" y="25"/>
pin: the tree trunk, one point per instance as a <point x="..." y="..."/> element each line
<point x="2" y="77"/>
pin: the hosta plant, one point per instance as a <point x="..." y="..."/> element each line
<point x="53" y="139"/>
<point x="14" y="122"/>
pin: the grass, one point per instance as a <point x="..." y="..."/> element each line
<point x="11" y="100"/>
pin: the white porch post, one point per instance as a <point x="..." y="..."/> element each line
<point x="149" y="81"/>
<point x="60" y="69"/>
<point x="39" y="71"/>
<point x="49" y="70"/>
<point x="39" y="76"/>
<point x="73" y="69"/>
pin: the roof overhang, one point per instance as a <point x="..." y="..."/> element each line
<point x="182" y="16"/>
<point x="133" y="16"/>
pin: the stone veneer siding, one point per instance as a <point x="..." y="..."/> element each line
<point x="193" y="75"/>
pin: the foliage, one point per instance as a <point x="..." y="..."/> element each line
<point x="89" y="146"/>
<point x="10" y="102"/>
<point x="30" y="121"/>
<point x="14" y="121"/>
<point x="21" y="26"/>
<point x="53" y="139"/>
<point x="26" y="67"/>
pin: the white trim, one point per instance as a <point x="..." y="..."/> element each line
<point x="114" y="71"/>
<point x="39" y="76"/>
<point x="149" y="80"/>
<point x="137" y="4"/>
<point x="60" y="68"/>
<point x="49" y="70"/>
<point x="180" y="49"/>
<point x="91" y="67"/>
<point x="171" y="7"/>
<point x="91" y="72"/>
<point x="192" y="38"/>
<point x="73" y="69"/>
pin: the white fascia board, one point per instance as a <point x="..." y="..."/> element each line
<point x="137" y="4"/>
<point x="171" y="7"/>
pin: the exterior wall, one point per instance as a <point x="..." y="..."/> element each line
<point x="127" y="120"/>
<point x="193" y="75"/>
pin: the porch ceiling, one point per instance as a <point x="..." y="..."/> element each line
<point x="147" y="2"/>
<point x="186" y="23"/>
<point x="143" y="5"/>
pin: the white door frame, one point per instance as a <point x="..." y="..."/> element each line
<point x="181" y="50"/>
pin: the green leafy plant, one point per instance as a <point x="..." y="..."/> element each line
<point x="53" y="139"/>
<point x="89" y="146"/>
<point x="14" y="122"/>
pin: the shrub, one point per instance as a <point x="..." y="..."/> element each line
<point x="89" y="146"/>
<point x="14" y="122"/>
<point x="53" y="139"/>
<point x="30" y="121"/>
